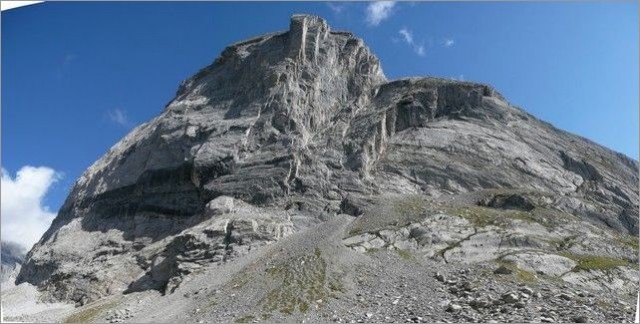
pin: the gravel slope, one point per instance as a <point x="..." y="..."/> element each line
<point x="311" y="277"/>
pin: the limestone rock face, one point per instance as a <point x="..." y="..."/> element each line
<point x="288" y="129"/>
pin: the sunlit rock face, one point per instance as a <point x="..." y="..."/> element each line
<point x="288" y="129"/>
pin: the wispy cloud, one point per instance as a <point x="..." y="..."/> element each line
<point x="336" y="7"/>
<point x="67" y="59"/>
<point x="64" y="64"/>
<point x="24" y="217"/>
<point x="119" y="117"/>
<point x="407" y="37"/>
<point x="448" y="42"/>
<point x="378" y="11"/>
<point x="406" y="34"/>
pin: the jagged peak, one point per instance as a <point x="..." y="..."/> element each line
<point x="309" y="45"/>
<point x="307" y="39"/>
<point x="306" y="35"/>
<point x="307" y="20"/>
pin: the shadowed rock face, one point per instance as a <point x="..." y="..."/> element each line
<point x="290" y="129"/>
<point x="12" y="256"/>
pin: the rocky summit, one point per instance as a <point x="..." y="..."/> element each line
<point x="290" y="180"/>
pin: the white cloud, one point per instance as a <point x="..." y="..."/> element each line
<point x="448" y="42"/>
<point x="336" y="7"/>
<point x="407" y="37"/>
<point x="379" y="11"/>
<point x="6" y="5"/>
<point x="119" y="117"/>
<point x="24" y="218"/>
<point x="406" y="34"/>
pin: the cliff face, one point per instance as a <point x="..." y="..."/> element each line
<point x="290" y="129"/>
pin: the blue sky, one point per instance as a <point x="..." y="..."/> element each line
<point x="76" y="77"/>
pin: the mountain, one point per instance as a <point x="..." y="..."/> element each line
<point x="11" y="257"/>
<point x="290" y="180"/>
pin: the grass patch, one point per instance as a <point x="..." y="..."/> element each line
<point x="372" y="251"/>
<point x="410" y="206"/>
<point x="481" y="216"/>
<point x="603" y="304"/>
<point x="405" y="255"/>
<point x="336" y="285"/>
<point x="90" y="313"/>
<point x="244" y="319"/>
<point x="519" y="274"/>
<point x="391" y="212"/>
<point x="211" y="304"/>
<point x="239" y="280"/>
<point x="551" y="218"/>
<point x="301" y="281"/>
<point x="629" y="240"/>
<point x="567" y="242"/>
<point x="355" y="231"/>
<point x="564" y="243"/>
<point x="478" y="216"/>
<point x="265" y="316"/>
<point x="594" y="262"/>
<point x="525" y="276"/>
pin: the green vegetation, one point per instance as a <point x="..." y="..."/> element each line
<point x="410" y="206"/>
<point x="404" y="254"/>
<point x="603" y="304"/>
<point x="629" y="240"/>
<point x="239" y="280"/>
<point x="520" y="274"/>
<point x="484" y="216"/>
<point x="304" y="307"/>
<point x="211" y="304"/>
<point x="336" y="285"/>
<point x="567" y="243"/>
<point x="265" y="316"/>
<point x="388" y="213"/>
<point x="90" y="312"/>
<point x="525" y="276"/>
<point x="244" y="319"/>
<point x="551" y="218"/>
<point x="355" y="230"/>
<point x="481" y="216"/>
<point x="372" y="251"/>
<point x="476" y="215"/>
<point x="594" y="262"/>
<point x="564" y="243"/>
<point x="301" y="282"/>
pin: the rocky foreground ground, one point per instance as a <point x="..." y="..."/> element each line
<point x="320" y="274"/>
<point x="291" y="181"/>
